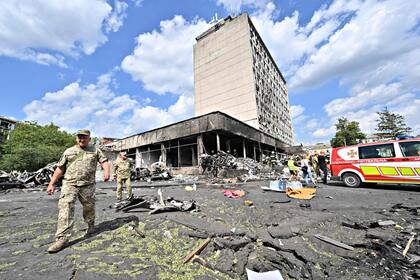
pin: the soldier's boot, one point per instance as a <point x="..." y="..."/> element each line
<point x="58" y="245"/>
<point x="90" y="230"/>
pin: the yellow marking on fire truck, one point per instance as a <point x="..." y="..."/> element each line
<point x="406" y="171"/>
<point x="370" y="170"/>
<point x="388" y="170"/>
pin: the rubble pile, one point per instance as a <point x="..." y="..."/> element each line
<point x="253" y="166"/>
<point x="16" y="179"/>
<point x="157" y="171"/>
<point x="220" y="160"/>
<point x="212" y="164"/>
<point x="140" y="174"/>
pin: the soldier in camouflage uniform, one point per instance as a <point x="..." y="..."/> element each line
<point x="121" y="170"/>
<point x="78" y="165"/>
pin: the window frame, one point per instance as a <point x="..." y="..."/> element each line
<point x="403" y="151"/>
<point x="391" y="145"/>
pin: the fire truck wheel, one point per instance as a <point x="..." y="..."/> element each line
<point x="351" y="180"/>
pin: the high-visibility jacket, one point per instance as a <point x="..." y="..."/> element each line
<point x="291" y="165"/>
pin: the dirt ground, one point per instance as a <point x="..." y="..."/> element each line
<point x="275" y="233"/>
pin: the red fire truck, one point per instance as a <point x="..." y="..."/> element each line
<point x="396" y="162"/>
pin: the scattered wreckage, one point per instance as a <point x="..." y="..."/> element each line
<point x="156" y="204"/>
<point x="16" y="179"/>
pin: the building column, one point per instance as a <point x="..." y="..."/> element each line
<point x="148" y="156"/>
<point x="139" y="159"/>
<point x="255" y="152"/>
<point x="194" y="158"/>
<point x="228" y="146"/>
<point x="217" y="142"/>
<point x="244" y="148"/>
<point x="179" y="155"/>
<point x="163" y="153"/>
<point x="200" y="147"/>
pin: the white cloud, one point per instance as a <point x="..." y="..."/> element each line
<point x="234" y="6"/>
<point x="43" y="30"/>
<point x="377" y="36"/>
<point x="163" y="60"/>
<point x="116" y="18"/>
<point x="324" y="132"/>
<point x="379" y="95"/>
<point x="138" y="3"/>
<point x="313" y="123"/>
<point x="296" y="110"/>
<point x="287" y="40"/>
<point x="98" y="108"/>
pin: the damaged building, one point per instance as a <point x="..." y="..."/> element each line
<point x="181" y="144"/>
<point x="6" y="125"/>
<point x="235" y="73"/>
<point x="241" y="104"/>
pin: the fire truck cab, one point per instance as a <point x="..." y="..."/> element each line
<point x="396" y="162"/>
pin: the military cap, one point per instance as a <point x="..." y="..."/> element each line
<point x="83" y="132"/>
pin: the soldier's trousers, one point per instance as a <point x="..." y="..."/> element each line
<point x="68" y="197"/>
<point x="127" y="182"/>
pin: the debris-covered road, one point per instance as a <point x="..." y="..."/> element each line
<point x="276" y="232"/>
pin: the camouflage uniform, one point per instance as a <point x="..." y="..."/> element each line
<point x="79" y="166"/>
<point x="121" y="168"/>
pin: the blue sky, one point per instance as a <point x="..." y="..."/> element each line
<point x="122" y="67"/>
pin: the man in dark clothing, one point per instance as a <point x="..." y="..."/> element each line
<point x="322" y="161"/>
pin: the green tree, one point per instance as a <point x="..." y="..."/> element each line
<point x="389" y="124"/>
<point x="347" y="133"/>
<point x="32" y="146"/>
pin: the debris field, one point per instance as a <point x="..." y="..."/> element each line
<point x="341" y="233"/>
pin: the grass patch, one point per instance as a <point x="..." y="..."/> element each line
<point x="4" y="266"/>
<point x="123" y="252"/>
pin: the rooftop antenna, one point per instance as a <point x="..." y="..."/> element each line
<point x="214" y="19"/>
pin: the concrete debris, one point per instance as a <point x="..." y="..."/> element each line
<point x="252" y="169"/>
<point x="16" y="179"/>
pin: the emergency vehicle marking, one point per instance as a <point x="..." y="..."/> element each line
<point x="352" y="153"/>
<point x="406" y="171"/>
<point x="370" y="170"/>
<point x="348" y="153"/>
<point x="388" y="170"/>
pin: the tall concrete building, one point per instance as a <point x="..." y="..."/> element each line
<point x="234" y="73"/>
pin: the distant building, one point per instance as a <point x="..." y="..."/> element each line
<point x="234" y="73"/>
<point x="317" y="148"/>
<point x="6" y="125"/>
<point x="371" y="138"/>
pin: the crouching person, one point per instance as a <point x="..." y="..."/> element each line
<point x="78" y="165"/>
<point x="122" y="171"/>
